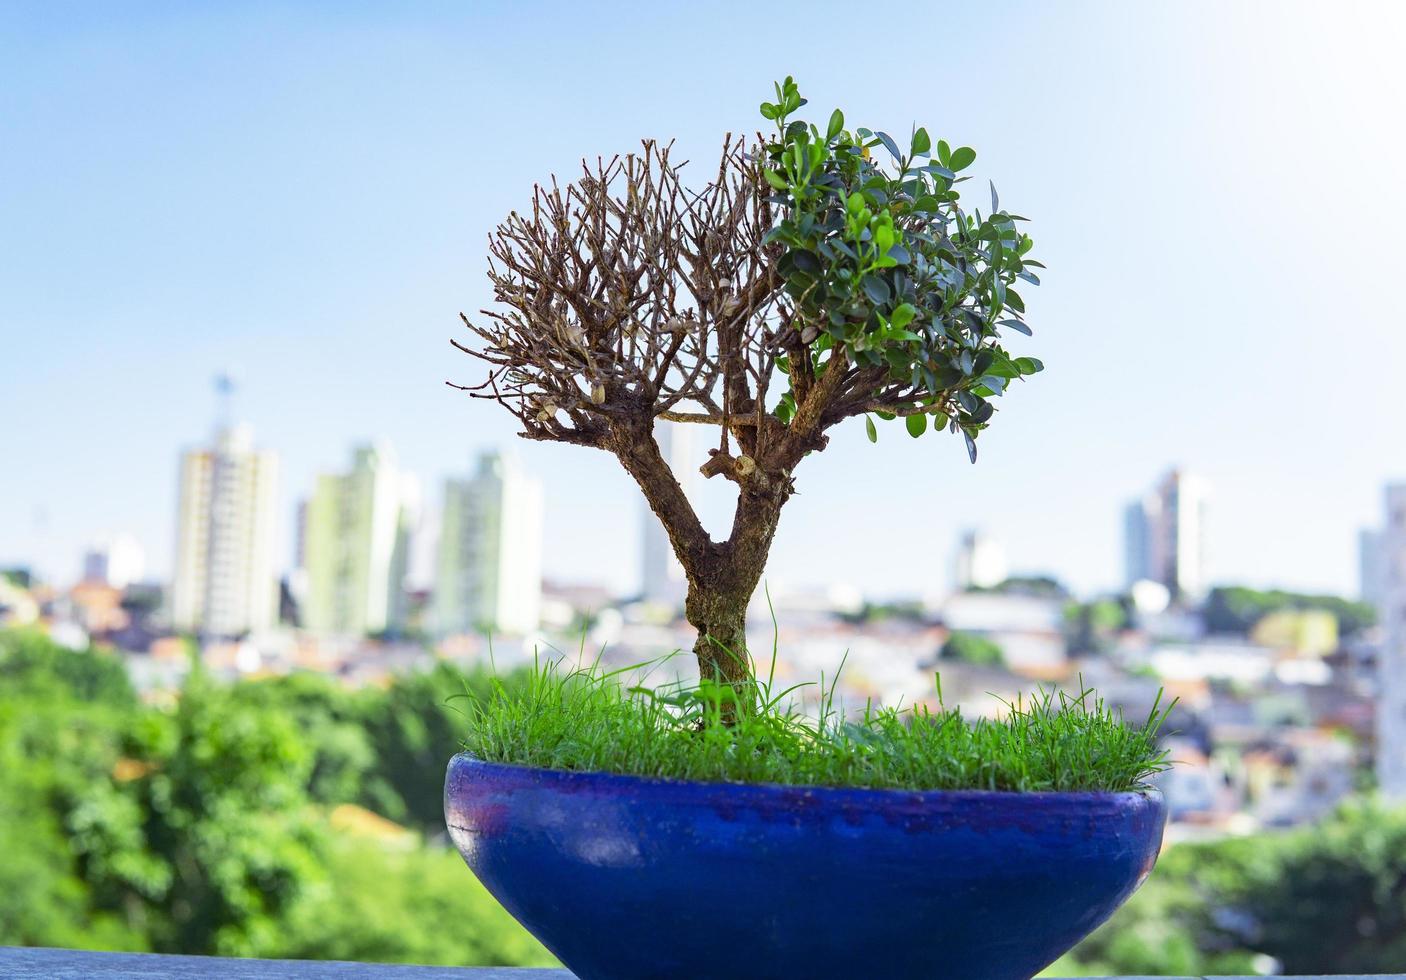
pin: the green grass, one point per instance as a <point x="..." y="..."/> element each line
<point x="588" y="720"/>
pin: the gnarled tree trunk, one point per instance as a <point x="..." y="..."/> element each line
<point x="721" y="586"/>
<point x="722" y="575"/>
<point x="720" y="617"/>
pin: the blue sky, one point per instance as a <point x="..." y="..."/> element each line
<point x="302" y="191"/>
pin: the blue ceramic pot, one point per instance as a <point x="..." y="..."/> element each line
<point x="626" y="878"/>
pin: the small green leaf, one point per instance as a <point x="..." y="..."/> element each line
<point x="837" y="123"/>
<point x="889" y="145"/>
<point x="917" y="425"/>
<point x="869" y="428"/>
<point x="876" y="289"/>
<point x="922" y="142"/>
<point x="971" y="445"/>
<point x="776" y="180"/>
<point x="903" y="315"/>
<point x="786" y="409"/>
<point x="1029" y="365"/>
<point x="944" y="153"/>
<point x="769" y="111"/>
<point x="962" y="158"/>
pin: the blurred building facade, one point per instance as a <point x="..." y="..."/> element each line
<point x="1388" y="587"/>
<point x="116" y="560"/>
<point x="354" y="541"/>
<point x="490" y="551"/>
<point x="980" y="562"/>
<point x="225" y="581"/>
<point x="1164" y="535"/>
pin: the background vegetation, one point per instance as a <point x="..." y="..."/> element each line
<point x="1322" y="900"/>
<point x="243" y="821"/>
<point x="235" y="822"/>
<point x="1236" y="609"/>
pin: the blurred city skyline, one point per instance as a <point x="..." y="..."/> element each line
<point x="301" y="196"/>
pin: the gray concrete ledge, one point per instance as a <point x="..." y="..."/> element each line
<point x="67" y="964"/>
<point x="18" y="963"/>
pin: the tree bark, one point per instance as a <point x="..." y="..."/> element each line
<point x="720" y="617"/>
<point x="720" y="590"/>
<point x="722" y="576"/>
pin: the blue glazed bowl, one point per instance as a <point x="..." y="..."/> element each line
<point x="626" y="878"/>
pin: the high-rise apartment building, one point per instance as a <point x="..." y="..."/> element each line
<point x="489" y="576"/>
<point x="663" y="580"/>
<point x="1164" y="535"/>
<point x="225" y="580"/>
<point x="1371" y="574"/>
<point x="354" y="537"/>
<point x="1384" y="561"/>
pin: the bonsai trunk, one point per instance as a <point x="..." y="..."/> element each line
<point x="721" y="575"/>
<point x="721" y="586"/>
<point x="720" y="617"/>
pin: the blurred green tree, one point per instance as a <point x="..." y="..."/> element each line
<point x="1236" y="609"/>
<point x="410" y="905"/>
<point x="972" y="648"/>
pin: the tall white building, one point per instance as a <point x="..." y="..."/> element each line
<point x="662" y="577"/>
<point x="1370" y="572"/>
<point x="353" y="543"/>
<point x="489" y="577"/>
<point x="226" y="582"/>
<point x="980" y="563"/>
<point x="1387" y="568"/>
<point x="1164" y="535"/>
<point x="116" y="560"/>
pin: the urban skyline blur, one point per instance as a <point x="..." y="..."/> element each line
<point x="1164" y="535"/>
<point x="356" y="543"/>
<point x="317" y="223"/>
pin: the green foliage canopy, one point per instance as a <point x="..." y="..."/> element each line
<point x="1236" y="609"/>
<point x="1322" y="900"/>
<point x="886" y="262"/>
<point x="1091" y="627"/>
<point x="201" y="828"/>
<point x="416" y="905"/>
<point x="972" y="648"/>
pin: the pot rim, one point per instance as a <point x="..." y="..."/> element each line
<point x="1148" y="796"/>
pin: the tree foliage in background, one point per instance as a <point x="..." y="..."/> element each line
<point x="1322" y="900"/>
<point x="1034" y="586"/>
<point x="1091" y="628"/>
<point x="214" y="836"/>
<point x="63" y="715"/>
<point x="418" y="905"/>
<point x="1236" y="609"/>
<point x="412" y="727"/>
<point x="972" y="648"/>
<point x="823" y="274"/>
<point x="202" y="829"/>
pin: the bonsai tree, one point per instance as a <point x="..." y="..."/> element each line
<point x="818" y="275"/>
